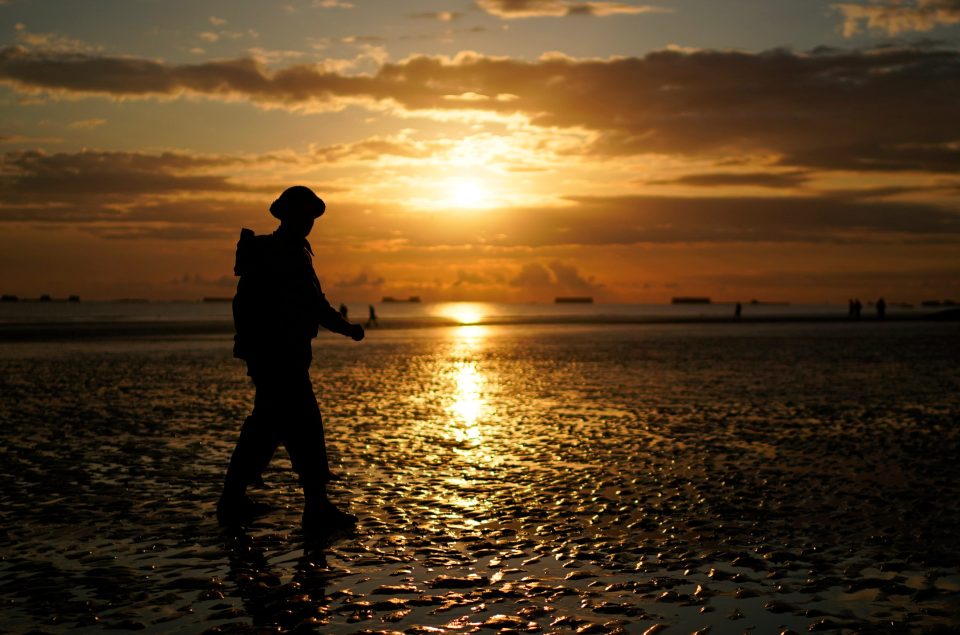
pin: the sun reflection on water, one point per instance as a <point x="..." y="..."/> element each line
<point x="469" y="410"/>
<point x="469" y="405"/>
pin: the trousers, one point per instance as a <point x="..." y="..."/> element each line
<point x="285" y="411"/>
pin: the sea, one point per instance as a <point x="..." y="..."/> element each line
<point x="515" y="468"/>
<point x="429" y="313"/>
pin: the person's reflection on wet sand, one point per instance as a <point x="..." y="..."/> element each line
<point x="300" y="605"/>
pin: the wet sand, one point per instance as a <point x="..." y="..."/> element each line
<point x="569" y="479"/>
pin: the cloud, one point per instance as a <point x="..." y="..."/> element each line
<point x="531" y="275"/>
<point x="374" y="148"/>
<point x="138" y="195"/>
<point x="364" y="279"/>
<point x="132" y="195"/>
<point x="475" y="278"/>
<point x="513" y="9"/>
<point x="555" y="277"/>
<point x="86" y="124"/>
<point x="740" y="179"/>
<point x="332" y="4"/>
<point x="868" y="280"/>
<point x="886" y="109"/>
<point x="52" y="42"/>
<point x="363" y="39"/>
<point x="214" y="36"/>
<point x="440" y="16"/>
<point x="39" y="178"/>
<point x="898" y="16"/>
<point x="628" y="220"/>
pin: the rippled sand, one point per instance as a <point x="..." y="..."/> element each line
<point x="508" y="479"/>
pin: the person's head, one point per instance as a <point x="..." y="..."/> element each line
<point x="297" y="207"/>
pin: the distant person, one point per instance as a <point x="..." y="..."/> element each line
<point x="850" y="309"/>
<point x="856" y="308"/>
<point x="372" y="320"/>
<point x="343" y="311"/>
<point x="737" y="311"/>
<point x="881" y="308"/>
<point x="277" y="311"/>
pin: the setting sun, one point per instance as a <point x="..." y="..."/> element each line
<point x="464" y="313"/>
<point x="468" y="193"/>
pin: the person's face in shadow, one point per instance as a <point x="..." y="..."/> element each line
<point x="297" y="226"/>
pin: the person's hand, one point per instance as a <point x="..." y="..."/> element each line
<point x="356" y="332"/>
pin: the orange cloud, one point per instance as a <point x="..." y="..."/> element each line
<point x="512" y="9"/>
<point x="554" y="278"/>
<point x="38" y="177"/>
<point x="740" y="179"/>
<point x="889" y="109"/>
<point x="182" y="195"/>
<point x="898" y="16"/>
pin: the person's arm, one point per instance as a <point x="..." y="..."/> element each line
<point x="330" y="319"/>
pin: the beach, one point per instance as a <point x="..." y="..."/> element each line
<point x="569" y="476"/>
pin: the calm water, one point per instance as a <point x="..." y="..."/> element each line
<point x="564" y="478"/>
<point x="427" y="312"/>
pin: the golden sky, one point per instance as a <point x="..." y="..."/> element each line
<point x="510" y="150"/>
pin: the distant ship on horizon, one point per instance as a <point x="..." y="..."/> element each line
<point x="690" y="300"/>
<point x="573" y="300"/>
<point x="390" y="298"/>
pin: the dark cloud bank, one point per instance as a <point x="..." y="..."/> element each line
<point x="884" y="109"/>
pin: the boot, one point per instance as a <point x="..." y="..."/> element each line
<point x="235" y="507"/>
<point x="319" y="514"/>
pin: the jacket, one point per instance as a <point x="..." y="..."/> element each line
<point x="279" y="305"/>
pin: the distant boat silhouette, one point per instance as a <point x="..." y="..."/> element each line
<point x="573" y="300"/>
<point x="390" y="298"/>
<point x="690" y="300"/>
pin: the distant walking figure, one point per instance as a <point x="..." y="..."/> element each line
<point x="372" y="320"/>
<point x="881" y="308"/>
<point x="855" y="308"/>
<point x="277" y="311"/>
<point x="737" y="310"/>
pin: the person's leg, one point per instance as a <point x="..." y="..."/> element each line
<point x="304" y="439"/>
<point x="259" y="439"/>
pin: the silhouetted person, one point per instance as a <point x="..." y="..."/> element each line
<point x="372" y="320"/>
<point x="737" y="310"/>
<point x="881" y="308"/>
<point x="277" y="311"/>
<point x="857" y="308"/>
<point x="343" y="311"/>
<point x="850" y="309"/>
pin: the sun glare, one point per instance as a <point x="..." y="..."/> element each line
<point x="464" y="313"/>
<point x="468" y="193"/>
